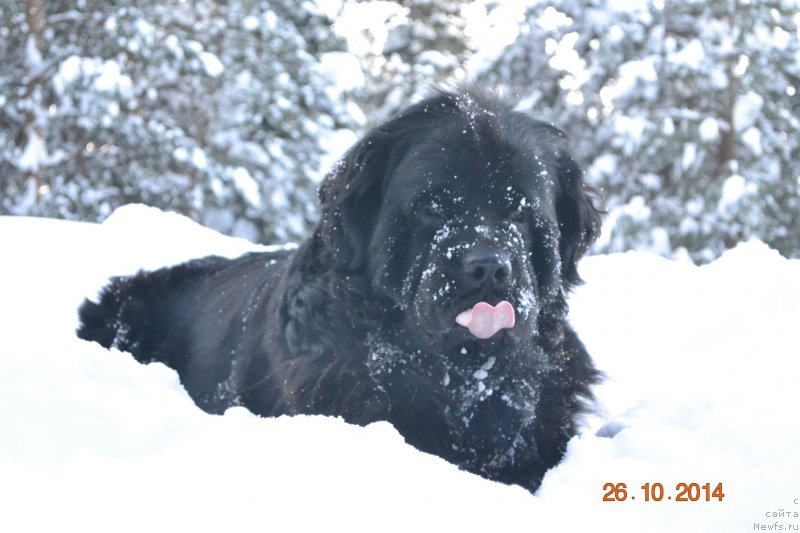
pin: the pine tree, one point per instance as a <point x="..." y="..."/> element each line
<point x="271" y="115"/>
<point x="683" y="112"/>
<point x="215" y="111"/>
<point x="21" y="126"/>
<point x="419" y="44"/>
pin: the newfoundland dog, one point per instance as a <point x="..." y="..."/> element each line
<point x="432" y="294"/>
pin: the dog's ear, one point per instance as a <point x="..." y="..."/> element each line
<point x="579" y="218"/>
<point x="352" y="194"/>
<point x="351" y="197"/>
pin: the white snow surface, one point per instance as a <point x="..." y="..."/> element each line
<point x="702" y="375"/>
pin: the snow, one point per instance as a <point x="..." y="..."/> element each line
<point x="35" y="152"/>
<point x="494" y="25"/>
<point x="627" y="6"/>
<point x="741" y="66"/>
<point x="691" y="56"/>
<point x="668" y="127"/>
<point x="563" y="54"/>
<point x="107" y="75"/>
<point x="709" y="130"/>
<point x="734" y="190"/>
<point x="604" y="165"/>
<point x="342" y="72"/>
<point x="552" y="19"/>
<point x="327" y="8"/>
<point x="33" y="56"/>
<point x="212" y="65"/>
<point x="366" y="25"/>
<point x="68" y="71"/>
<point x="747" y="110"/>
<point x="752" y="139"/>
<point x="247" y="185"/>
<point x="490" y="27"/>
<point x="110" y="77"/>
<point x="701" y="367"/>
<point x="197" y="157"/>
<point x="689" y="157"/>
<point x="250" y="23"/>
<point x="630" y="130"/>
<point x="637" y="76"/>
<point x="335" y="143"/>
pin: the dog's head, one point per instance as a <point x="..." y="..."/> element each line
<point x="460" y="200"/>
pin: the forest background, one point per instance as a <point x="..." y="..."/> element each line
<point x="685" y="113"/>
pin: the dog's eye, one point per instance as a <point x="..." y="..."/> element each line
<point x="517" y="216"/>
<point x="431" y="213"/>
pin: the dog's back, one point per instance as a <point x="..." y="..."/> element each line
<point x="163" y="316"/>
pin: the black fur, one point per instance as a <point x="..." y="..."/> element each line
<point x="459" y="199"/>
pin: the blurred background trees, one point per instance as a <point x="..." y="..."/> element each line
<point x="684" y="112"/>
<point x="216" y="110"/>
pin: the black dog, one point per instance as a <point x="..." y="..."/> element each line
<point x="431" y="294"/>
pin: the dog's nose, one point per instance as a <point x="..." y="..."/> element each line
<point x="487" y="269"/>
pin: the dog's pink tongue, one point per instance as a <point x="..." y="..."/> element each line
<point x="484" y="321"/>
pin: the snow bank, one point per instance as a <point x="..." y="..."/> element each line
<point x="702" y="376"/>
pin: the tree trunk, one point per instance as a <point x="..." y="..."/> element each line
<point x="727" y="149"/>
<point x="34" y="134"/>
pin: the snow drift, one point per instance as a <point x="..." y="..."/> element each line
<point x="702" y="376"/>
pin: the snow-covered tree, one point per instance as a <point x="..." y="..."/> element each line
<point x="21" y="127"/>
<point x="405" y="48"/>
<point x="685" y="113"/>
<point x="271" y="116"/>
<point x="213" y="110"/>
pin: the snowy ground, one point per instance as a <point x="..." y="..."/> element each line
<point x="702" y="365"/>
